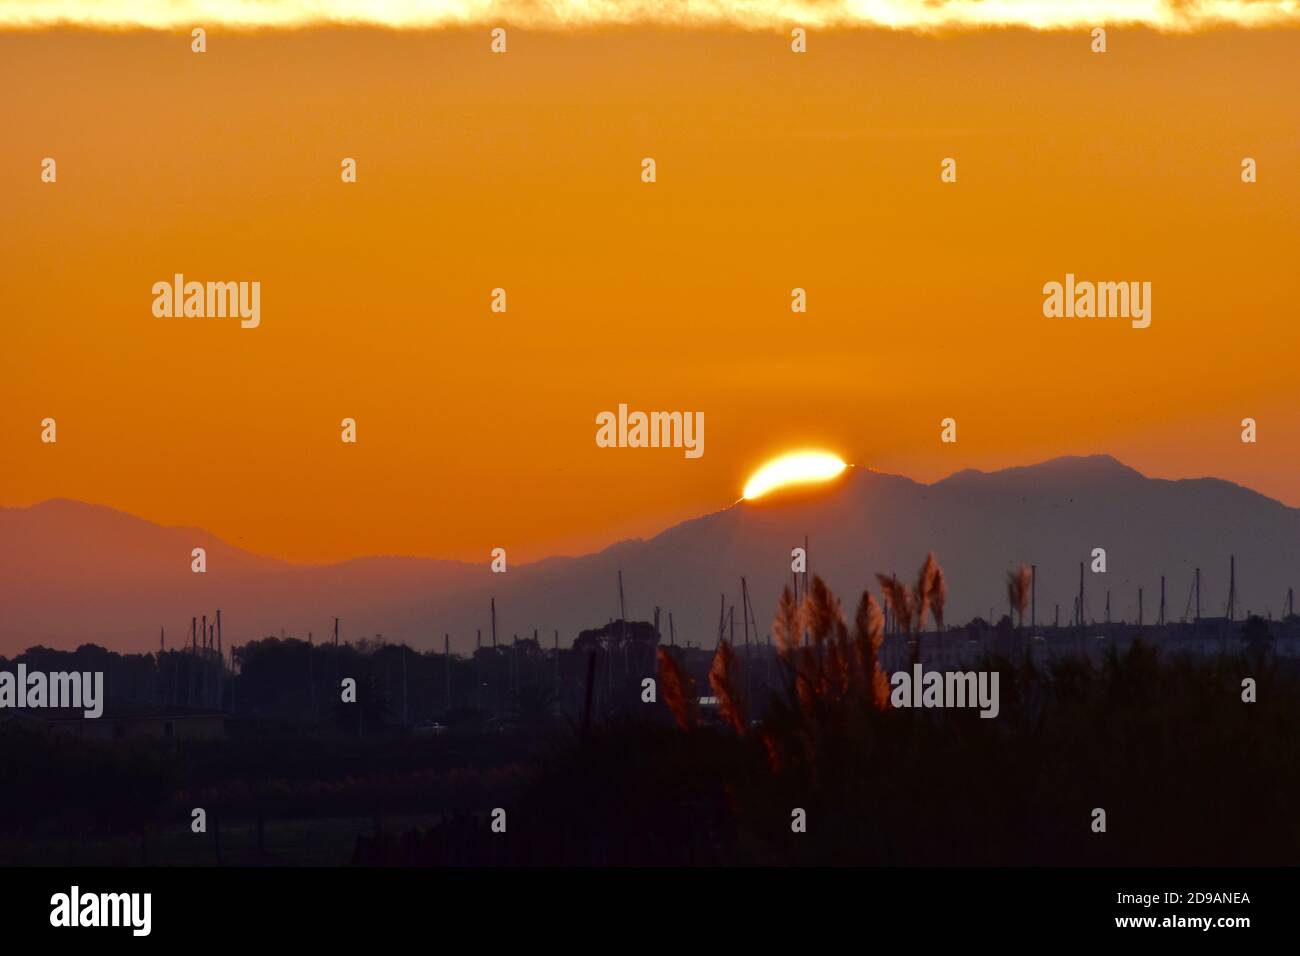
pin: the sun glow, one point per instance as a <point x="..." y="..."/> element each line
<point x="796" y="468"/>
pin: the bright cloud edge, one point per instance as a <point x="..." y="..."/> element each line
<point x="910" y="15"/>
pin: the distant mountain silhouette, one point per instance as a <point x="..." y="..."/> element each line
<point x="72" y="573"/>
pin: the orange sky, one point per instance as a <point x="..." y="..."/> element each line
<point x="522" y="171"/>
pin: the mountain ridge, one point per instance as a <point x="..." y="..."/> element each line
<point x="57" y="588"/>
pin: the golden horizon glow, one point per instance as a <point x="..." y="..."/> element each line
<point x="911" y="15"/>
<point x="477" y="171"/>
<point x="795" y="468"/>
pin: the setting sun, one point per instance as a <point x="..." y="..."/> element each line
<point x="796" y="468"/>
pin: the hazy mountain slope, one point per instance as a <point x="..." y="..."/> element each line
<point x="71" y="572"/>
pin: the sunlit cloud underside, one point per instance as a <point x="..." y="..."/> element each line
<point x="917" y="15"/>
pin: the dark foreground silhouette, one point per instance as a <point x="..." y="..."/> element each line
<point x="1191" y="758"/>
